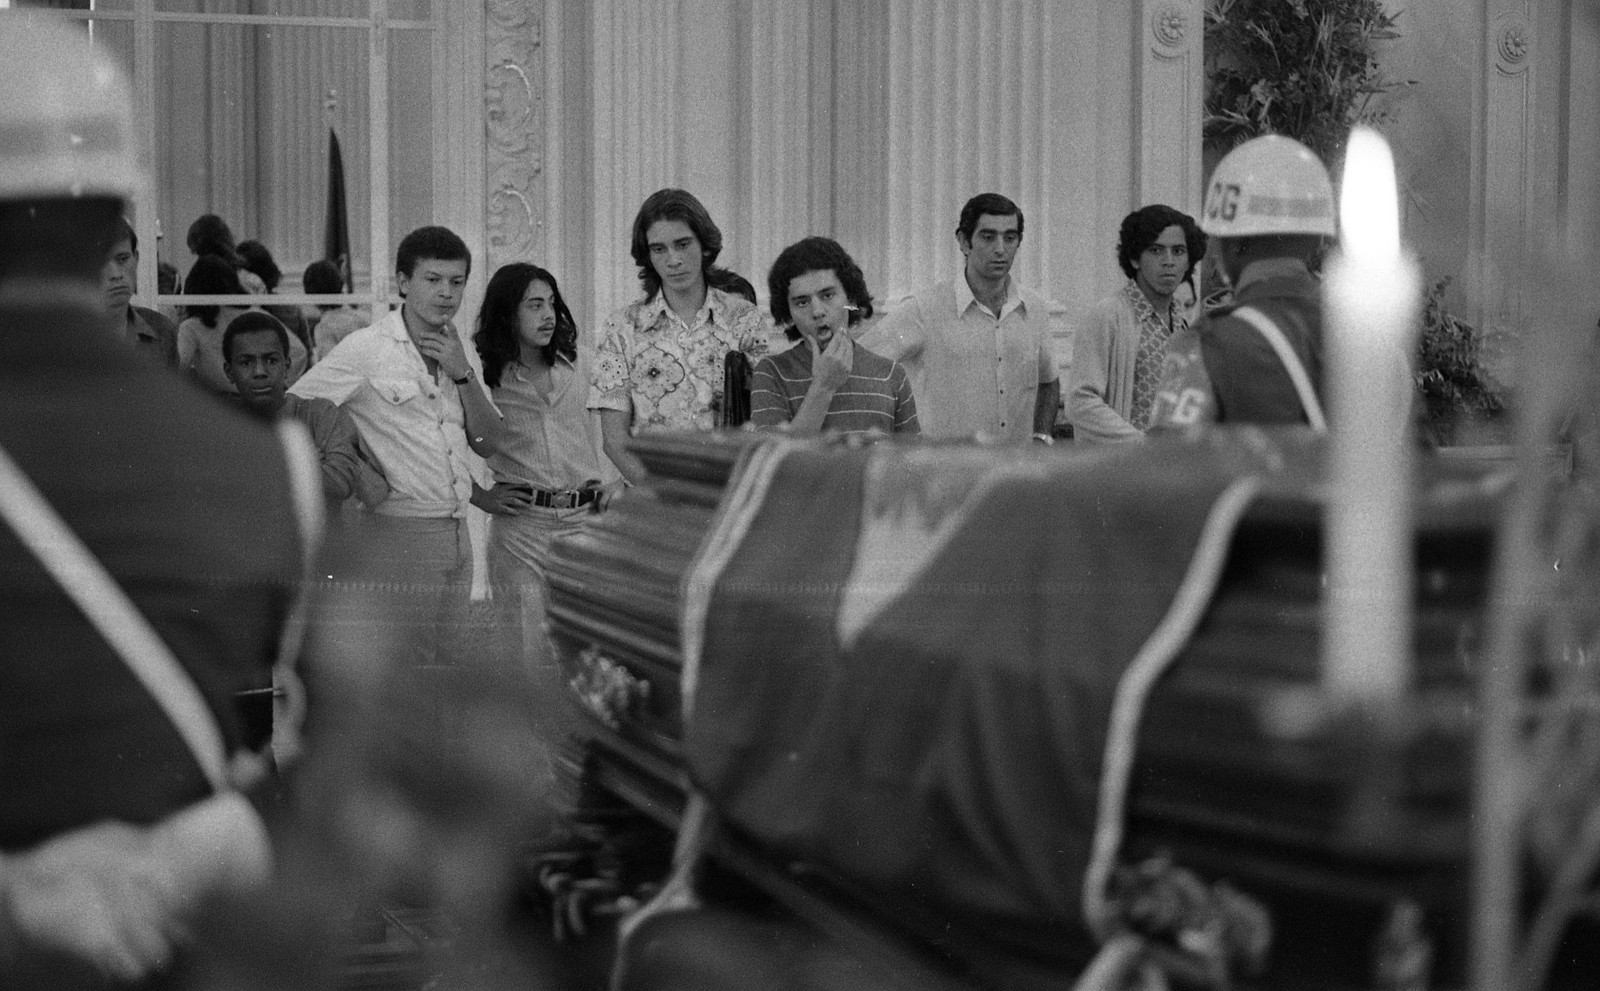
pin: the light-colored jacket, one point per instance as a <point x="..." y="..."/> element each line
<point x="1100" y="385"/>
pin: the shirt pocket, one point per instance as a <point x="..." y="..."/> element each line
<point x="397" y="391"/>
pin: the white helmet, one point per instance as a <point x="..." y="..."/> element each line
<point x="1269" y="185"/>
<point x="66" y="120"/>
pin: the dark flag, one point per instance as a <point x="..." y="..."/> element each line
<point x="336" y="234"/>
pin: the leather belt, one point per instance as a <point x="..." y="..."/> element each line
<point x="563" y="498"/>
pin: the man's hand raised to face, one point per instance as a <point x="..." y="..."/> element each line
<point x="444" y="346"/>
<point x="830" y="369"/>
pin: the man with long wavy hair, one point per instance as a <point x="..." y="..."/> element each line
<point x="659" y="363"/>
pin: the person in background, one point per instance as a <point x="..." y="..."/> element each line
<point x="330" y="323"/>
<point x="255" y="350"/>
<point x="256" y="258"/>
<point x="1122" y="342"/>
<point x="148" y="332"/>
<point x="978" y="347"/>
<point x="732" y="282"/>
<point x="829" y="383"/>
<point x="211" y="235"/>
<point x="550" y="474"/>
<point x="1269" y="209"/>
<point x="200" y="333"/>
<point x="659" y="363"/>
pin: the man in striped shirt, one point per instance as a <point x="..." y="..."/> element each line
<point x="828" y="382"/>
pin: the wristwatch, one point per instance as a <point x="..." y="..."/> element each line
<point x="463" y="380"/>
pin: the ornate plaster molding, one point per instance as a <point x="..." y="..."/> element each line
<point x="1514" y="44"/>
<point x="514" y="113"/>
<point x="1169" y="26"/>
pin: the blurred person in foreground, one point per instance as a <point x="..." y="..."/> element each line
<point x="121" y="735"/>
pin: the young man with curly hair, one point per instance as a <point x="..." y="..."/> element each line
<point x="1122" y="342"/>
<point x="829" y="382"/>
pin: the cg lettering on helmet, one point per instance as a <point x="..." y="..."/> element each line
<point x="1223" y="201"/>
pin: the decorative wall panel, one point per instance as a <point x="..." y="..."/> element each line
<point x="515" y="119"/>
<point x="1504" y="180"/>
<point x="1170" y="86"/>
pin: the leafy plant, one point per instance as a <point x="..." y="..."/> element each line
<point x="1450" y="374"/>
<point x="1307" y="69"/>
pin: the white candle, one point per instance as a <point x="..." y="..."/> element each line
<point x="1372" y="301"/>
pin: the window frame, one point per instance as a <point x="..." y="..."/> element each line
<point x="144" y="17"/>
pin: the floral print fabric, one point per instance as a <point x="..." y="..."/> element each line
<point x="1153" y="335"/>
<point x="668" y="372"/>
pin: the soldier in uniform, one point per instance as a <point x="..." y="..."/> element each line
<point x="149" y="555"/>
<point x="1268" y="210"/>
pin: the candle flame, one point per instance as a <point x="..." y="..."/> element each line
<point x="1369" y="205"/>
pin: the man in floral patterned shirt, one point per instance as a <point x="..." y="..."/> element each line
<point x="659" y="362"/>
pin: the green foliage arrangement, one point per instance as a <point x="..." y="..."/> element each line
<point x="1455" y="387"/>
<point x="1307" y="69"/>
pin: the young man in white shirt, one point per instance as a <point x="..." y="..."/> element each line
<point x="416" y="393"/>
<point x="979" y="347"/>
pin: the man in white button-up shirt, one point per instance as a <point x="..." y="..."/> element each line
<point x="978" y="348"/>
<point x="416" y="393"/>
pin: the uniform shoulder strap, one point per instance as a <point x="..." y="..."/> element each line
<point x="81" y="575"/>
<point x="1291" y="364"/>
